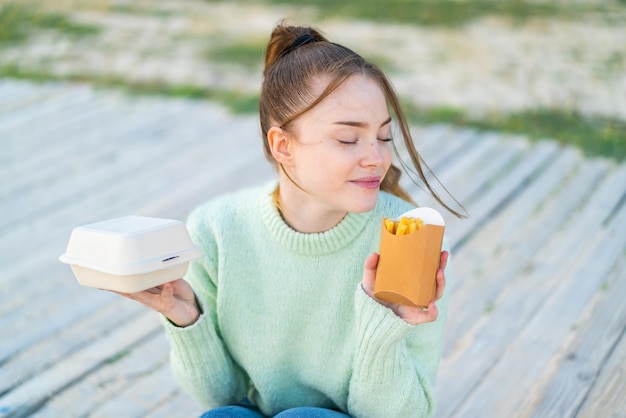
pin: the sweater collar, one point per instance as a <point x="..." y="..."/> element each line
<point x="320" y="243"/>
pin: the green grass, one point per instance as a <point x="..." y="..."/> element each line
<point x="19" y="22"/>
<point x="449" y="13"/>
<point x="117" y="357"/>
<point x="594" y="135"/>
<point x="247" y="54"/>
<point x="251" y="55"/>
<point x="136" y="10"/>
<point x="236" y="102"/>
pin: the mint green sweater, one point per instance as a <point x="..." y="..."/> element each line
<point x="286" y="323"/>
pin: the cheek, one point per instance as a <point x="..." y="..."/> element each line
<point x="387" y="158"/>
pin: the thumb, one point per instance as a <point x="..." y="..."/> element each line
<point x="369" y="273"/>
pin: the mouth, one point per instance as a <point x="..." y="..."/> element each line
<point x="371" y="182"/>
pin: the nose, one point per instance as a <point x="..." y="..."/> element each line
<point x="374" y="155"/>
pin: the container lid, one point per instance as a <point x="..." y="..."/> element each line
<point x="130" y="245"/>
<point x="428" y="215"/>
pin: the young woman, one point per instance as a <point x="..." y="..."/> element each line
<point x="278" y="317"/>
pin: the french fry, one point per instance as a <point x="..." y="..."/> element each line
<point x="404" y="226"/>
<point x="390" y="225"/>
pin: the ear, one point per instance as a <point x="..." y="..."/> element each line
<point x="279" y="145"/>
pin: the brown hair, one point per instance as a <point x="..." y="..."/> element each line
<point x="297" y="55"/>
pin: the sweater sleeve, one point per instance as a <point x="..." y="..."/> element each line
<point x="200" y="362"/>
<point x="395" y="363"/>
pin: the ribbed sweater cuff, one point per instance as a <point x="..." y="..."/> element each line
<point x="192" y="344"/>
<point x="381" y="333"/>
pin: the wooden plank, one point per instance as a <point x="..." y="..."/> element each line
<point x="102" y="172"/>
<point x="475" y="344"/>
<point x="474" y="147"/>
<point x="198" y="189"/>
<point x="468" y="183"/>
<point x="473" y="183"/>
<point x="455" y="179"/>
<point x="31" y="395"/>
<point x="81" y="331"/>
<point x="178" y="405"/>
<point x="54" y="136"/>
<point x="123" y="159"/>
<point x="47" y="319"/>
<point x="153" y="180"/>
<point x="129" y="375"/>
<point x="478" y="347"/>
<point x="510" y="181"/>
<point x="181" y="204"/>
<point x="43" y="310"/>
<point x="170" y="205"/>
<point x="18" y="134"/>
<point x="428" y="140"/>
<point x="589" y="354"/>
<point x="54" y="242"/>
<point x="515" y="211"/>
<point x="22" y="117"/>
<point x="443" y="152"/>
<point x="436" y="144"/>
<point x="522" y="205"/>
<point x="607" y="397"/>
<point x="144" y="396"/>
<point x="464" y="185"/>
<point x="35" y="314"/>
<point x="133" y="182"/>
<point x="45" y="265"/>
<point x="491" y="258"/>
<point x="510" y="386"/>
<point x="128" y="385"/>
<point x="47" y="155"/>
<point x="14" y="94"/>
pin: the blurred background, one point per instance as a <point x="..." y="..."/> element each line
<point x="117" y="107"/>
<point x="551" y="69"/>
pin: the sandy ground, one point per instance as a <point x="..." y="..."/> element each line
<point x="488" y="65"/>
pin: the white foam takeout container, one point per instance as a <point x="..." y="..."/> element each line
<point x="129" y="254"/>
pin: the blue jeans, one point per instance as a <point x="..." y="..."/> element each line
<point x="247" y="410"/>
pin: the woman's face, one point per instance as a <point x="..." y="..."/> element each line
<point x="342" y="148"/>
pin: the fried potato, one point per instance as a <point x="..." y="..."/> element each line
<point x="404" y="226"/>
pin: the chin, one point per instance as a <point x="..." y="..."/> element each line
<point x="364" y="205"/>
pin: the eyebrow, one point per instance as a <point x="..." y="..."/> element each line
<point x="361" y="124"/>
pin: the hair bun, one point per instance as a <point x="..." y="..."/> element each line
<point x="307" y="38"/>
<point x="286" y="39"/>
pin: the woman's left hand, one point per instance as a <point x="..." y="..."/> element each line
<point x="411" y="314"/>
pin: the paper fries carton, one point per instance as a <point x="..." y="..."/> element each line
<point x="408" y="263"/>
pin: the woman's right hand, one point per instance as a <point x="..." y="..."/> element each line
<point x="174" y="300"/>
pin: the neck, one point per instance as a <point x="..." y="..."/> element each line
<point x="302" y="213"/>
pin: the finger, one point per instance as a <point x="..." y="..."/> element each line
<point x="440" y="276"/>
<point x="166" y="298"/>
<point x="443" y="261"/>
<point x="155" y="290"/>
<point x="369" y="273"/>
<point x="430" y="314"/>
<point x="420" y="316"/>
<point x="133" y="296"/>
<point x="441" y="284"/>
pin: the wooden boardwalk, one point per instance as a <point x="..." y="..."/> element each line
<point x="538" y="316"/>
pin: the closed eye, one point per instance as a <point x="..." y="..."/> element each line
<point x="354" y="142"/>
